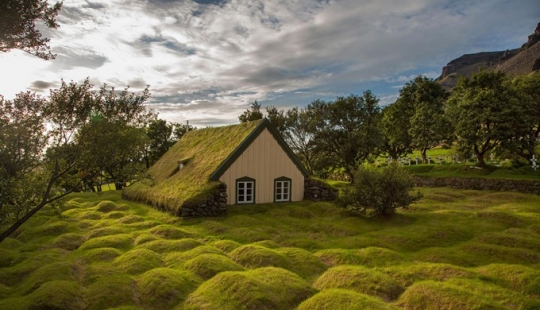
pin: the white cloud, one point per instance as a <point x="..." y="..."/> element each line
<point x="202" y="58"/>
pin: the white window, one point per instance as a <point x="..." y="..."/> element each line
<point x="245" y="191"/>
<point x="282" y="190"/>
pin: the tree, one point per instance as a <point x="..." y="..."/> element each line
<point x="277" y="118"/>
<point x="160" y="140"/>
<point x="299" y="136"/>
<point x="379" y="192"/>
<point x="346" y="131"/>
<point x="395" y="126"/>
<point x="252" y="114"/>
<point x="18" y="29"/>
<point x="179" y="130"/>
<point x="527" y="88"/>
<point x="47" y="153"/>
<point x="429" y="125"/>
<point x="486" y="112"/>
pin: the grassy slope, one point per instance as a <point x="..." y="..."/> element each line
<point x="453" y="250"/>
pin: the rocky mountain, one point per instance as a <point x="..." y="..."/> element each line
<point x="516" y="61"/>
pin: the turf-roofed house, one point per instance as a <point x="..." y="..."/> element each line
<point x="211" y="168"/>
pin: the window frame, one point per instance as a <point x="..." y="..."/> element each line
<point x="282" y="180"/>
<point x="245" y="180"/>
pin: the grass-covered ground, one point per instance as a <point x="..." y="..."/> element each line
<point x="453" y="250"/>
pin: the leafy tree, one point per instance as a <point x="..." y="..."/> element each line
<point x="395" y="126"/>
<point x="346" y="131"/>
<point x="252" y="114"/>
<point x="49" y="150"/>
<point x="379" y="191"/>
<point x="429" y="125"/>
<point x="179" y="130"/>
<point x="486" y="113"/>
<point x="160" y="140"/>
<point x="18" y="29"/>
<point x="527" y="88"/>
<point x="277" y="118"/>
<point x="299" y="136"/>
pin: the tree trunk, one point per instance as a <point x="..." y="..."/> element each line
<point x="118" y="185"/>
<point x="21" y="221"/>
<point x="424" y="156"/>
<point x="480" y="160"/>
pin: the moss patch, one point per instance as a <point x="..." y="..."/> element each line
<point x="112" y="291"/>
<point x="208" y="265"/>
<point x="333" y="299"/>
<point x="138" y="261"/>
<point x="163" y="288"/>
<point x="58" y="295"/>
<point x="360" y="279"/>
<point x="264" y="288"/>
<point x="166" y="246"/>
<point x="254" y="256"/>
<point x="120" y="241"/>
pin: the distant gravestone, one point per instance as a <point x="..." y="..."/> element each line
<point x="417" y="158"/>
<point x="533" y="162"/>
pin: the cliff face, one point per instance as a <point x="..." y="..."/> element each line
<point x="516" y="61"/>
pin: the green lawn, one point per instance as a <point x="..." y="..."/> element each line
<point x="452" y="250"/>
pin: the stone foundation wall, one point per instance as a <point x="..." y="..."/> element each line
<point x="523" y="186"/>
<point x="214" y="204"/>
<point x="317" y="190"/>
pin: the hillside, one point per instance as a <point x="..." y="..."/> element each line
<point x="521" y="60"/>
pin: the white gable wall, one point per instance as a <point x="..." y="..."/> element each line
<point x="264" y="160"/>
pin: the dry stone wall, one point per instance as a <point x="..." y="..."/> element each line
<point x="317" y="190"/>
<point x="214" y="204"/>
<point x="523" y="186"/>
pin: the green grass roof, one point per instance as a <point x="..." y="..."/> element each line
<point x="203" y="151"/>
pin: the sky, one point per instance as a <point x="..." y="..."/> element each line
<point x="206" y="60"/>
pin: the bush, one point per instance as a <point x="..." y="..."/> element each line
<point x="379" y="191"/>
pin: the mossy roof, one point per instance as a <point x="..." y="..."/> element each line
<point x="206" y="154"/>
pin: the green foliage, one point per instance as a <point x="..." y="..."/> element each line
<point x="395" y="126"/>
<point x="346" y="131"/>
<point x="486" y="112"/>
<point x="252" y="114"/>
<point x="379" y="192"/>
<point x="18" y="29"/>
<point x="429" y="125"/>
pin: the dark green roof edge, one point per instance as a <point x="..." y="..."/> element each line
<point x="264" y="124"/>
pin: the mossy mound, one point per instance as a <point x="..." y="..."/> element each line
<point x="112" y="291"/>
<point x="215" y="227"/>
<point x="90" y="215"/>
<point x="371" y="256"/>
<point x="49" y="272"/>
<point x="104" y="231"/>
<point x="163" y="288"/>
<point x="144" y="238"/>
<point x="12" y="276"/>
<point x="360" y="279"/>
<point x="138" y="261"/>
<point x="169" y="232"/>
<point x="333" y="299"/>
<point x="511" y="240"/>
<point x="501" y="218"/>
<point x="106" y="206"/>
<point x="303" y="262"/>
<point x="10" y="243"/>
<point x="58" y="295"/>
<point x="53" y="228"/>
<point x="4" y="291"/>
<point x="177" y="259"/>
<point x="515" y="277"/>
<point x="443" y="296"/>
<point x="130" y="219"/>
<point x="100" y="255"/>
<point x="8" y="257"/>
<point x="410" y="273"/>
<point x="119" y="241"/>
<point x="264" y="288"/>
<point x="69" y="241"/>
<point x="166" y="246"/>
<point x="115" y="215"/>
<point x="267" y="244"/>
<point x="254" y="256"/>
<point x="208" y="265"/>
<point x="226" y="245"/>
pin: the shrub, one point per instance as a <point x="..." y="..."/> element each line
<point x="378" y="192"/>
